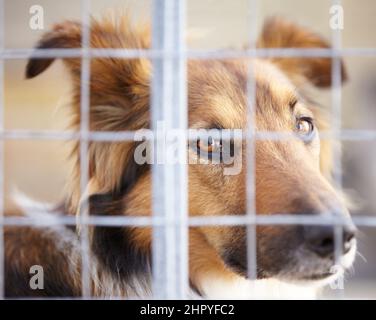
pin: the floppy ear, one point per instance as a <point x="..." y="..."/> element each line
<point x="113" y="81"/>
<point x="108" y="75"/>
<point x="279" y="33"/>
<point x="64" y="35"/>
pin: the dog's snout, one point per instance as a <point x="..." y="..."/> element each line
<point x="321" y="239"/>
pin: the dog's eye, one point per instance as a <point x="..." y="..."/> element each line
<point x="305" y="128"/>
<point x="210" y="145"/>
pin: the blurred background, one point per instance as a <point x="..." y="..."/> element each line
<point x="39" y="168"/>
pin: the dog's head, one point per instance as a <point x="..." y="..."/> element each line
<point x="292" y="176"/>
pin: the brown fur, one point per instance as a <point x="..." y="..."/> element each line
<point x="288" y="174"/>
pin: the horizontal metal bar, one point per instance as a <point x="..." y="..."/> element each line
<point x="214" y="220"/>
<point x="64" y="53"/>
<point x="20" y="134"/>
<point x="15" y="54"/>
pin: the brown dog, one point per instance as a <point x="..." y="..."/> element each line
<point x="292" y="176"/>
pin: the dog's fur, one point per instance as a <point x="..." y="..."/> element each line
<point x="292" y="176"/>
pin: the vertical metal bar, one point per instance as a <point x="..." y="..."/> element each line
<point x="84" y="159"/>
<point x="180" y="122"/>
<point x="251" y="129"/>
<point x="2" y="150"/>
<point x="336" y="97"/>
<point x="169" y="181"/>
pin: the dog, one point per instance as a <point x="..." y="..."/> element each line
<point x="291" y="175"/>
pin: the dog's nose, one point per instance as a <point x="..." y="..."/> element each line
<point x="321" y="240"/>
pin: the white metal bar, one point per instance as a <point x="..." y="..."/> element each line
<point x="169" y="181"/>
<point x="21" y="134"/>
<point x="251" y="228"/>
<point x="2" y="149"/>
<point x="336" y="101"/>
<point x="13" y="54"/>
<point x="84" y="145"/>
<point x="336" y="96"/>
<point x="161" y="99"/>
<point x="180" y="123"/>
<point x="222" y="220"/>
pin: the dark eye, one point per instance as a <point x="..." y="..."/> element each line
<point x="305" y="128"/>
<point x="216" y="148"/>
<point x="210" y="145"/>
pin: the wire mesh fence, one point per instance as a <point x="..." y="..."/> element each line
<point x="170" y="219"/>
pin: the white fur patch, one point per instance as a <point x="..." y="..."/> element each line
<point x="243" y="289"/>
<point x="348" y="259"/>
<point x="39" y="212"/>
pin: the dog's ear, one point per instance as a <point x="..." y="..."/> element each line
<point x="119" y="94"/>
<point x="66" y="35"/>
<point x="114" y="76"/>
<point x="279" y="33"/>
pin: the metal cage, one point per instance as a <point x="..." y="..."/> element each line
<point x="170" y="219"/>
